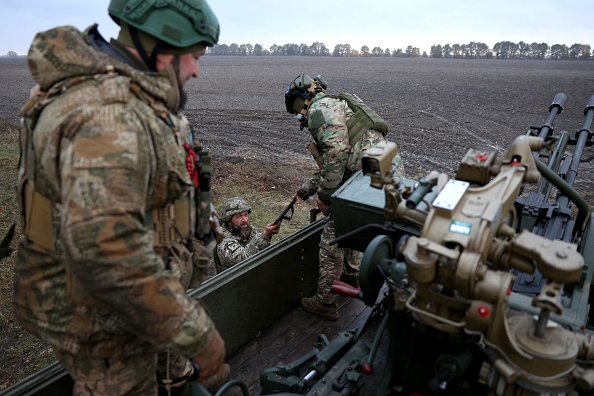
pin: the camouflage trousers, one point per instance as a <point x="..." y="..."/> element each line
<point x="132" y="375"/>
<point x="333" y="262"/>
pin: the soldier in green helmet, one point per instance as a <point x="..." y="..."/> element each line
<point x="343" y="128"/>
<point x="113" y="231"/>
<point x="241" y="239"/>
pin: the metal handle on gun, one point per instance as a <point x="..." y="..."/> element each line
<point x="283" y="215"/>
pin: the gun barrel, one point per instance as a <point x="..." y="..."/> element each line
<point x="555" y="109"/>
<point x="558" y="103"/>
<point x="589" y="106"/>
<point x="583" y="135"/>
<point x="566" y="193"/>
<point x="423" y="188"/>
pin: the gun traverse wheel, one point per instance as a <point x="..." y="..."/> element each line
<point x="370" y="277"/>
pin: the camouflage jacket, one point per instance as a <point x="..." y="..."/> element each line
<point x="326" y="120"/>
<point x="234" y="249"/>
<point x="105" y="151"/>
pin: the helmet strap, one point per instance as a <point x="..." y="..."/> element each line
<point x="151" y="61"/>
<point x="302" y="113"/>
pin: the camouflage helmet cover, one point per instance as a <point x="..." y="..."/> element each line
<point x="232" y="206"/>
<point x="179" y="23"/>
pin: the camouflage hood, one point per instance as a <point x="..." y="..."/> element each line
<point x="65" y="52"/>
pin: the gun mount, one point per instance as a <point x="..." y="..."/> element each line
<point x="482" y="281"/>
<point x="459" y="322"/>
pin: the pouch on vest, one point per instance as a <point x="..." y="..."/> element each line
<point x="203" y="195"/>
<point x="365" y="118"/>
<point x="312" y="147"/>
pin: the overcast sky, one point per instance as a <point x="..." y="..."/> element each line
<point x="385" y="23"/>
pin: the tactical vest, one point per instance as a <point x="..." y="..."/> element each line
<point x="365" y="118"/>
<point x="186" y="219"/>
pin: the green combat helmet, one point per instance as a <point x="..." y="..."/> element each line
<point x="301" y="89"/>
<point x="232" y="206"/>
<point x="165" y="26"/>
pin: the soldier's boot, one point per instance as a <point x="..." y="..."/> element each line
<point x="214" y="382"/>
<point x="314" y="306"/>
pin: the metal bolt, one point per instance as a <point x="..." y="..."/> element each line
<point x="561" y="254"/>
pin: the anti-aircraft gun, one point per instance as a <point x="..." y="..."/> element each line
<point x="481" y="284"/>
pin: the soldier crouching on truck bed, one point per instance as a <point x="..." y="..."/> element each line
<point x="241" y="239"/>
<point x="108" y="184"/>
<point x="343" y="129"/>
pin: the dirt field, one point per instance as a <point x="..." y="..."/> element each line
<point x="436" y="110"/>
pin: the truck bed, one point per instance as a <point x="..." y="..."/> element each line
<point x="290" y="338"/>
<point x="255" y="306"/>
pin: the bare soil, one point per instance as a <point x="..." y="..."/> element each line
<point x="436" y="109"/>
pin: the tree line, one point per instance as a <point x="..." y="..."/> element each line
<point x="472" y="50"/>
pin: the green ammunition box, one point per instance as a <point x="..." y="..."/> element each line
<point x="358" y="211"/>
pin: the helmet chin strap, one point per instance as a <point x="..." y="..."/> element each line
<point x="302" y="113"/>
<point x="151" y="61"/>
<point x="306" y="103"/>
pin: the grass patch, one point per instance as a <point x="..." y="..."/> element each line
<point x="9" y="157"/>
<point x="22" y="354"/>
<point x="267" y="188"/>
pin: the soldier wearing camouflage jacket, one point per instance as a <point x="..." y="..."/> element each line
<point x="241" y="239"/>
<point x="326" y="120"/>
<point x="104" y="179"/>
<point x="236" y="248"/>
<point x="338" y="146"/>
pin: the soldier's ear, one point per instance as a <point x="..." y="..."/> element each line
<point x="164" y="61"/>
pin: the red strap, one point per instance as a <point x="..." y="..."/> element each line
<point x="191" y="163"/>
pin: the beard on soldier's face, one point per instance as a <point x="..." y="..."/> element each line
<point x="183" y="96"/>
<point x="244" y="229"/>
<point x="244" y="233"/>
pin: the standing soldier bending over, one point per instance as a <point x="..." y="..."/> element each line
<point x="343" y="129"/>
<point x="108" y="187"/>
<point x="241" y="238"/>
